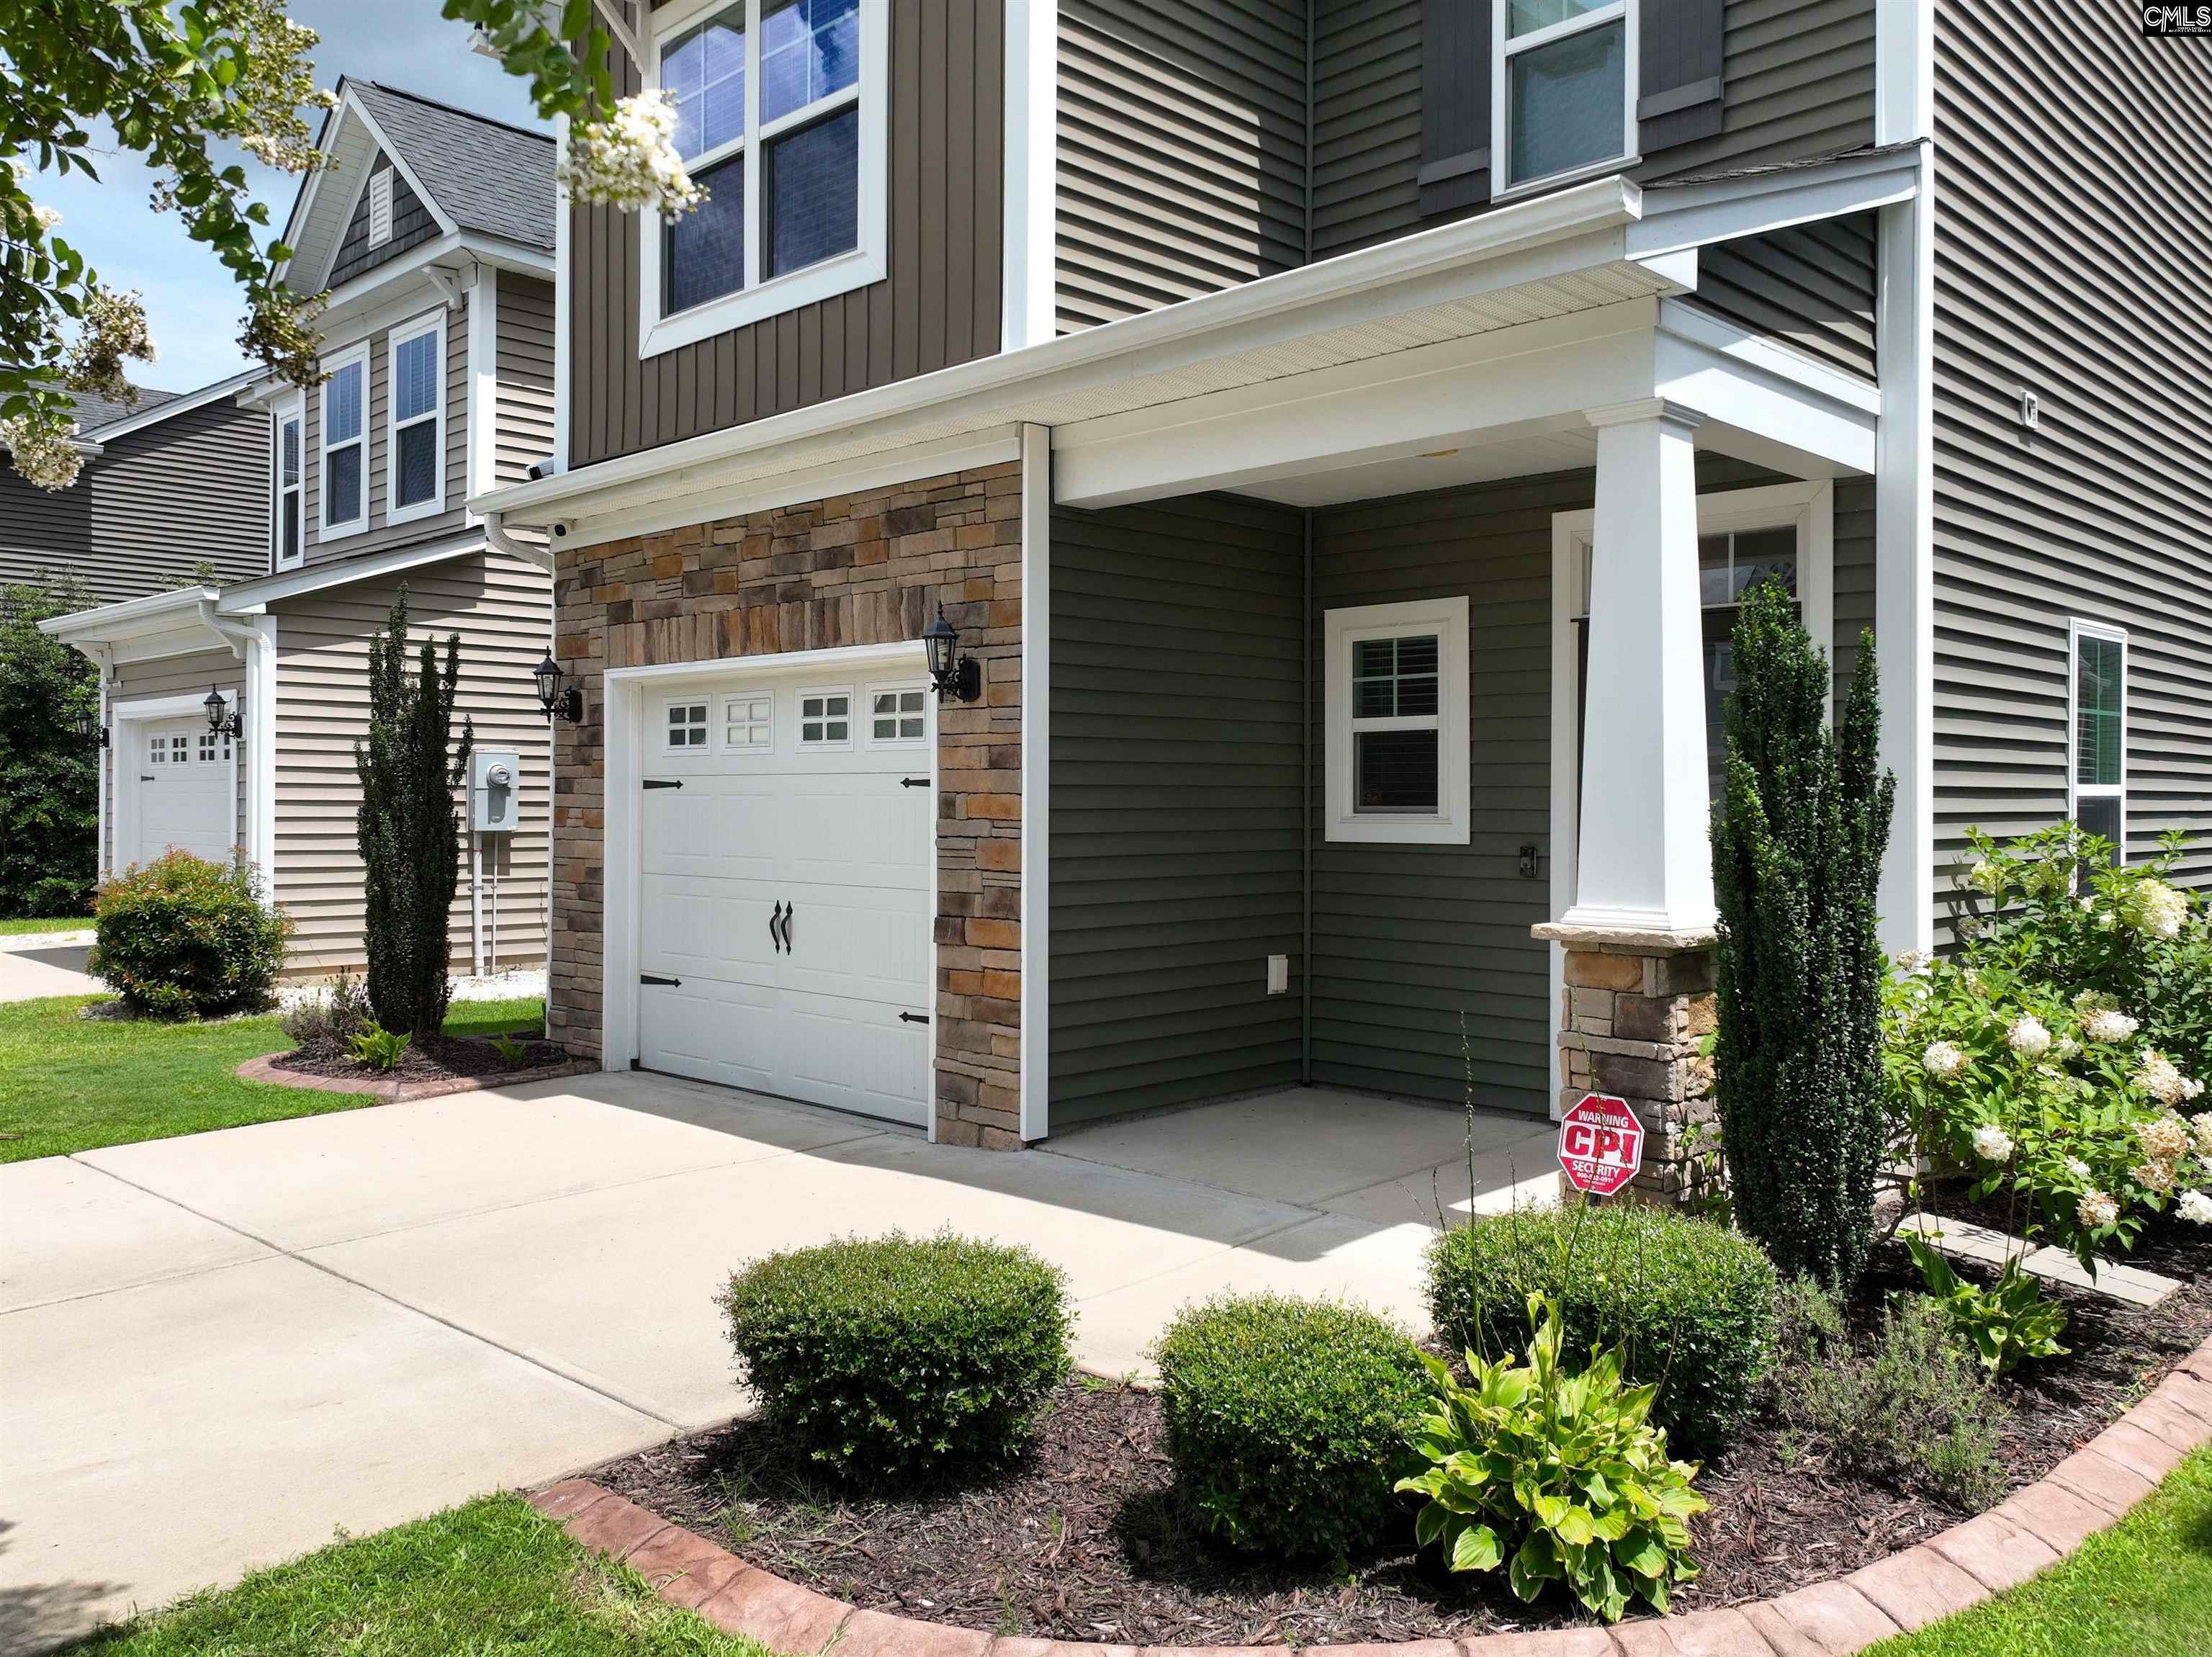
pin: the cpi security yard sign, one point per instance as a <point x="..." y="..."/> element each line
<point x="1601" y="1144"/>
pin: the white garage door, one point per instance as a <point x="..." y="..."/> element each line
<point x="787" y="830"/>
<point x="186" y="788"/>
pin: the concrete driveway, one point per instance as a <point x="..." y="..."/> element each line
<point x="38" y="965"/>
<point x="216" y="1351"/>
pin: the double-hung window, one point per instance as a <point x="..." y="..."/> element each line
<point x="2097" y="771"/>
<point x="414" y="448"/>
<point x="345" y="443"/>
<point x="1397" y="711"/>
<point x="780" y="119"/>
<point x="288" y="477"/>
<point x="1563" y="93"/>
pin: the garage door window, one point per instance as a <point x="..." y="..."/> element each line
<point x="897" y="717"/>
<point x="212" y="748"/>
<point x="687" y="725"/>
<point x="825" y="719"/>
<point x="747" y="724"/>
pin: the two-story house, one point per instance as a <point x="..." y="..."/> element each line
<point x="432" y="231"/>
<point x="1336" y="434"/>
<point x="165" y="485"/>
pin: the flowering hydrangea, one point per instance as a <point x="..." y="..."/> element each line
<point x="2029" y="1036"/>
<point x="2200" y="1126"/>
<point x="111" y="328"/>
<point x="2163" y="1081"/>
<point x="42" y="451"/>
<point x="1986" y="876"/>
<point x="1992" y="1144"/>
<point x="2154" y="908"/>
<point x="2153" y="1176"/>
<point x="1943" y="1060"/>
<point x="629" y="161"/>
<point x="2195" y="1207"/>
<point x="2166" y="1139"/>
<point x="2096" y="1210"/>
<point x="2110" y="1025"/>
<point x="2077" y="1167"/>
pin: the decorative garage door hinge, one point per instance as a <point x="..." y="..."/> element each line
<point x="662" y="783"/>
<point x="914" y="781"/>
<point x="655" y="978"/>
<point x="914" y="1018"/>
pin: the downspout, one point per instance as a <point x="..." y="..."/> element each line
<point x="1313" y="31"/>
<point x="1305" y="803"/>
<point x="542" y="558"/>
<point x="253" y="647"/>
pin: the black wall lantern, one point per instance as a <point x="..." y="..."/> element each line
<point x="957" y="678"/>
<point x="224" y="717"/>
<point x="556" y="702"/>
<point x="87" y="731"/>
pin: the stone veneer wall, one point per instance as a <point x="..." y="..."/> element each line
<point x="1631" y="1021"/>
<point x="863" y="569"/>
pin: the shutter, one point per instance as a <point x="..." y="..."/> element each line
<point x="1678" y="72"/>
<point x="1455" y="105"/>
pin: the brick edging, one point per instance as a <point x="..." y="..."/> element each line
<point x="395" y="1092"/>
<point x="2029" y="1532"/>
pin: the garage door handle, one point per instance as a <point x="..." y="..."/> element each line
<point x="914" y="1018"/>
<point x="655" y="978"/>
<point x="790" y="914"/>
<point x="775" y="930"/>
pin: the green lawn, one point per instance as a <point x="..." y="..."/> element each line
<point x="2144" y="1589"/>
<point x="73" y="1084"/>
<point x="492" y="1576"/>
<point x="17" y="927"/>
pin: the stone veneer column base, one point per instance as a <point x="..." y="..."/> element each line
<point x="1635" y="1008"/>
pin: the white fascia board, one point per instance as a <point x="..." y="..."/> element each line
<point x="251" y="598"/>
<point x="310" y="190"/>
<point x="111" y="623"/>
<point x="348" y="315"/>
<point x="1762" y="417"/>
<point x="1760" y="203"/>
<point x="176" y="406"/>
<point x="444" y="220"/>
<point x="1550" y="235"/>
<point x="1704" y="330"/>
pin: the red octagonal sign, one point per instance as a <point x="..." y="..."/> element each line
<point x="1601" y="1144"/>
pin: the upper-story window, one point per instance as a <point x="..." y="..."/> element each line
<point x="415" y="468"/>
<point x="345" y="443"/>
<point x="780" y="119"/>
<point x="1563" y="99"/>
<point x="287" y="475"/>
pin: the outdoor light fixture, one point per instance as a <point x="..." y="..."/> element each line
<point x="557" y="702"/>
<point x="88" y="731"/>
<point x="224" y="718"/>
<point x="957" y="678"/>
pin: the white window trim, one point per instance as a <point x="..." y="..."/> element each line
<point x="293" y="409"/>
<point x="723" y="705"/>
<point x="867" y="714"/>
<point x="798" y="742"/>
<point x="1501" y="50"/>
<point x="1447" y="618"/>
<point x="379" y="207"/>
<point x="2078" y="629"/>
<point x="868" y="263"/>
<point x="435" y="323"/>
<point x="325" y="531"/>
<point x="707" y="747"/>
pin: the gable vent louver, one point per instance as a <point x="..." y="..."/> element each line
<point x="379" y="207"/>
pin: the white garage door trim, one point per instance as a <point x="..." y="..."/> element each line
<point x="125" y="735"/>
<point x="628" y="690"/>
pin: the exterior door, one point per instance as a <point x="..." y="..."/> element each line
<point x="785" y="933"/>
<point x="186" y="790"/>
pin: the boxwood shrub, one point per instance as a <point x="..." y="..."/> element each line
<point x="897" y="1357"/>
<point x="1692" y="1302"/>
<point x="181" y="937"/>
<point x="1289" y="1421"/>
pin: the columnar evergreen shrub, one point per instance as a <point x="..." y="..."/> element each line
<point x="1797" y="852"/>
<point x="1289" y="1422"/>
<point x="1688" y="1304"/>
<point x="897" y="1357"/>
<point x="49" y="774"/>
<point x="407" y="824"/>
<point x="181" y="937"/>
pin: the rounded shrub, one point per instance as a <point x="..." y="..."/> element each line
<point x="1691" y="1303"/>
<point x="181" y="937"/>
<point x="895" y="1357"/>
<point x="1289" y="1422"/>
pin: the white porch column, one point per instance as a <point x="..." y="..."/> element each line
<point x="1644" y="863"/>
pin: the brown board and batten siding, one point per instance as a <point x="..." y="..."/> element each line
<point x="193" y="674"/>
<point x="1175" y="778"/>
<point x="412" y="224"/>
<point x="1182" y="150"/>
<point x="501" y="610"/>
<point x="1797" y="81"/>
<point x="2073" y="260"/>
<point x="380" y="535"/>
<point x="523" y="422"/>
<point x="939" y="305"/>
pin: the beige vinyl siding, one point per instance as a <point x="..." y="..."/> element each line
<point x="2074" y="259"/>
<point x="1182" y="150"/>
<point x="380" y="535"/>
<point x="500" y="609"/>
<point x="523" y="422"/>
<point x="195" y="674"/>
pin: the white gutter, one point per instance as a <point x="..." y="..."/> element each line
<point x="495" y="529"/>
<point x="128" y="618"/>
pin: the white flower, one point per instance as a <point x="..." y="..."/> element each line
<point x="1943" y="1060"/>
<point x="1986" y="876"/>
<point x="2108" y="1024"/>
<point x="2153" y="1176"/>
<point x="1912" y="960"/>
<point x="49" y="218"/>
<point x="2195" y="1207"/>
<point x="2162" y="1080"/>
<point x="2164" y="1140"/>
<point x="2028" y="1037"/>
<point x="2201" y="1125"/>
<point x="2154" y="908"/>
<point x="2088" y="906"/>
<point x="1992" y="1144"/>
<point x="2077" y="1167"/>
<point x="2097" y="1210"/>
<point x="42" y="451"/>
<point x="629" y="161"/>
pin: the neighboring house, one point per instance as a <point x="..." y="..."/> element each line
<point x="1340" y="431"/>
<point x="167" y="483"/>
<point x="431" y="229"/>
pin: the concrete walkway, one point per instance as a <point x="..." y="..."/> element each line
<point x="216" y="1351"/>
<point x="39" y="965"/>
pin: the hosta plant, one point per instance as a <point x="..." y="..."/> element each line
<point x="2006" y="1322"/>
<point x="1560" y="1478"/>
<point x="379" y="1049"/>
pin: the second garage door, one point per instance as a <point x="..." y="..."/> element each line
<point x="784" y="916"/>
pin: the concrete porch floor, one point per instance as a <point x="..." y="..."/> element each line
<point x="243" y="1340"/>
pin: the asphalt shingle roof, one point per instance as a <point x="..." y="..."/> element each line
<point x="486" y="175"/>
<point x="94" y="413"/>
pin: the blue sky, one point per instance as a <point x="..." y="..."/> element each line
<point x="192" y="301"/>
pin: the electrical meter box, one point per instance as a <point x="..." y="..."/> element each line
<point x="495" y="791"/>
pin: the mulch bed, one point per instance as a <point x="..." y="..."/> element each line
<point x="427" y="1059"/>
<point x="1086" y="1538"/>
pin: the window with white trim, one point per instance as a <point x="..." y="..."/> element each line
<point x="897" y="714"/>
<point x="288" y="476"/>
<point x="2098" y="772"/>
<point x="749" y="723"/>
<point x="687" y="725"/>
<point x="1397" y="712"/>
<point x="415" y="446"/>
<point x="379" y="207"/>
<point x="345" y="443"/>
<point x="780" y="119"/>
<point x="1563" y="88"/>
<point x="214" y="748"/>
<point x="825" y="718"/>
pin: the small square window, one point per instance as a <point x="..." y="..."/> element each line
<point x="825" y="716"/>
<point x="898" y="717"/>
<point x="747" y="727"/>
<point x="179" y="750"/>
<point x="687" y="725"/>
<point x="157" y="752"/>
